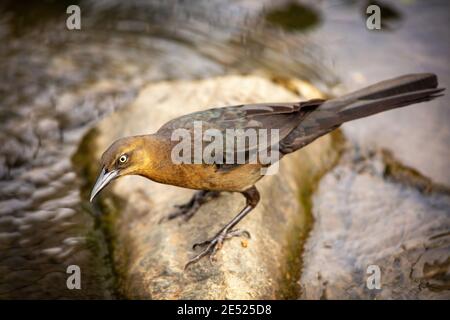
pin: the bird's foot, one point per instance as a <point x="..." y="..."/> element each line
<point x="215" y="244"/>
<point x="188" y="209"/>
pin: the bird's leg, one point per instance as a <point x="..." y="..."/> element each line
<point x="188" y="209"/>
<point x="215" y="243"/>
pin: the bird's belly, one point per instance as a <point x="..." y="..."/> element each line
<point x="207" y="177"/>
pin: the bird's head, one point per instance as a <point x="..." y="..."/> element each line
<point x="124" y="157"/>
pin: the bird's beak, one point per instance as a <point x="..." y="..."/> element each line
<point x="102" y="181"/>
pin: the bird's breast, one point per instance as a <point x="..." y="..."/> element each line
<point x="209" y="177"/>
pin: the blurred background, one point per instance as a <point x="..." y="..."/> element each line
<point x="56" y="84"/>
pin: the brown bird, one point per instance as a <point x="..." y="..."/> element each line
<point x="298" y="124"/>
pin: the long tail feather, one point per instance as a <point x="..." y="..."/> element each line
<point x="383" y="96"/>
<point x="391" y="87"/>
<point x="364" y="108"/>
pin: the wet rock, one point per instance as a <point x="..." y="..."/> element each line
<point x="370" y="210"/>
<point x="418" y="135"/>
<point x="150" y="257"/>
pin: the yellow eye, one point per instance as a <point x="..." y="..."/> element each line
<point x="123" y="158"/>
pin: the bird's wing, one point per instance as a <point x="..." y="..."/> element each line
<point x="281" y="116"/>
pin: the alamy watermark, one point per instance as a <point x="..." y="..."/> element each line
<point x="230" y="146"/>
<point x="74" y="280"/>
<point x="374" y="279"/>
<point x="73" y="22"/>
<point x="373" y="22"/>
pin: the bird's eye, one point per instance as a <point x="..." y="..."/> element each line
<point x="123" y="158"/>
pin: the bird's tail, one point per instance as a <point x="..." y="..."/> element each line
<point x="385" y="95"/>
<point x="390" y="94"/>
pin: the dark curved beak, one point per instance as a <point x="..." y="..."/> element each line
<point x="102" y="181"/>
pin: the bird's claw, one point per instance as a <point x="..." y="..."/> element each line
<point x="183" y="210"/>
<point x="187" y="210"/>
<point x="238" y="233"/>
<point x="182" y="206"/>
<point x="215" y="244"/>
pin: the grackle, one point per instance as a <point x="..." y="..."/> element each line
<point x="298" y="124"/>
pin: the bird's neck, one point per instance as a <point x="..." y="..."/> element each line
<point x="155" y="158"/>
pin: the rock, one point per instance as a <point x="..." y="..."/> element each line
<point x="370" y="210"/>
<point x="418" y="135"/>
<point x="150" y="256"/>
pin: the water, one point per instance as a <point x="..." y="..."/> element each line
<point x="57" y="83"/>
<point x="416" y="41"/>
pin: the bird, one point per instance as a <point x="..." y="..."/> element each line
<point x="298" y="124"/>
